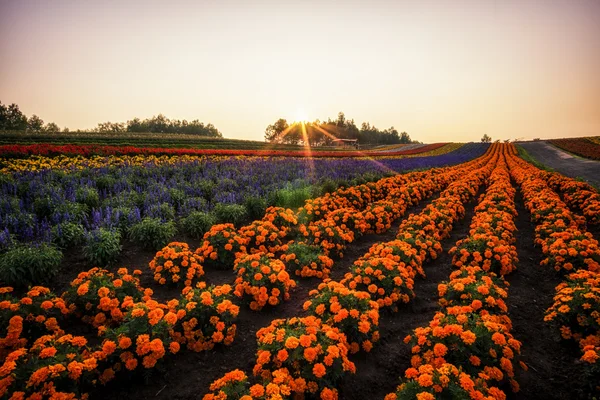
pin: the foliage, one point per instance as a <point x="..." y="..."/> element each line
<point x="29" y="264"/>
<point x="102" y="246"/>
<point x="152" y="233"/>
<point x="230" y="213"/>
<point x="197" y="223"/>
<point x="306" y="260"/>
<point x="68" y="234"/>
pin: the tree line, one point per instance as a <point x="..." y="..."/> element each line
<point x="13" y="119"/>
<point x="318" y="133"/>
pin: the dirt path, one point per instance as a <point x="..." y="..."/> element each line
<point x="553" y="371"/>
<point x="564" y="162"/>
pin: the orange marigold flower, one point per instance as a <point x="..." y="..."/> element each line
<point x="319" y="370"/>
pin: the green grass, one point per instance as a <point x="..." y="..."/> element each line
<point x="527" y="157"/>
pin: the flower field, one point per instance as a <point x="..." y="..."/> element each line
<point x="584" y="147"/>
<point x="470" y="274"/>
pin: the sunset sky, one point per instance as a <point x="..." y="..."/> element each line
<point x="440" y="70"/>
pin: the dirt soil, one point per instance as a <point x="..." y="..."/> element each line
<point x="564" y="162"/>
<point x="554" y="372"/>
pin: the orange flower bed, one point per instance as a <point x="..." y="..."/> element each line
<point x="446" y="381"/>
<point x="24" y="320"/>
<point x="235" y="385"/>
<point x="221" y="245"/>
<point x="100" y="297"/>
<point x="315" y="354"/>
<point x="569" y="249"/>
<point x="351" y="311"/>
<point x="481" y="344"/>
<point x="261" y="280"/>
<point x="54" y="367"/>
<point x="306" y="260"/>
<point x="474" y="287"/>
<point x="174" y="262"/>
<point x="205" y="317"/>
<point x="577" y="195"/>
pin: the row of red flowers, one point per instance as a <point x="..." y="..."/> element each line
<point x="16" y="150"/>
<point x="572" y="251"/>
<point x="580" y="146"/>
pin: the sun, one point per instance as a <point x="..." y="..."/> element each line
<point x="300" y="115"/>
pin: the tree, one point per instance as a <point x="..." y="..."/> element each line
<point x="35" y="124"/>
<point x="486" y="138"/>
<point x="405" y="138"/>
<point x="11" y="118"/>
<point x="51" y="127"/>
<point x="110" y="127"/>
<point x="274" y="131"/>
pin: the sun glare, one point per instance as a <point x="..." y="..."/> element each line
<point x="301" y="115"/>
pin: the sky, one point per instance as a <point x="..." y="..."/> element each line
<point x="439" y="70"/>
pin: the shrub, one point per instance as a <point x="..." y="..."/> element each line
<point x="197" y="223"/>
<point x="349" y="218"/>
<point x="447" y="381"/>
<point x="152" y="233"/>
<point x="255" y="207"/>
<point x="143" y="338"/>
<point x="29" y="264"/>
<point x="380" y="215"/>
<point x="174" y="262"/>
<point x="207" y="317"/>
<point x="230" y="213"/>
<point x="576" y="307"/>
<point x="352" y="312"/>
<point x="234" y="385"/>
<point x="261" y="279"/>
<point x="327" y="234"/>
<point x="220" y="246"/>
<point x="309" y="349"/>
<point x="306" y="260"/>
<point x="283" y="218"/>
<point x="471" y="286"/>
<point x="88" y="196"/>
<point x="384" y="279"/>
<point x="23" y="320"/>
<point x="54" y="367"/>
<point x="99" y="297"/>
<point x="262" y="237"/>
<point x="102" y="246"/>
<point x="68" y="234"/>
<point x="474" y="341"/>
<point x="487" y="251"/>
